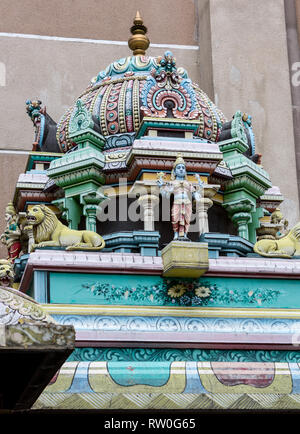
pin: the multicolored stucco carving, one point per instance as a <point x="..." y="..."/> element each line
<point x="11" y="237"/>
<point x="137" y="84"/>
<point x="190" y="296"/>
<point x="166" y="94"/>
<point x="45" y="127"/>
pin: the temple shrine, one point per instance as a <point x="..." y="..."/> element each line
<point x="147" y="254"/>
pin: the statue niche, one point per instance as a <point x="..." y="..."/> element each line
<point x="184" y="192"/>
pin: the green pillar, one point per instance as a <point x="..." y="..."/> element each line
<point x="249" y="181"/>
<point x="90" y="212"/>
<point x="91" y="202"/>
<point x="71" y="210"/>
<point x="241" y="220"/>
<point x="255" y="224"/>
<point x="240" y="213"/>
<point x="80" y="173"/>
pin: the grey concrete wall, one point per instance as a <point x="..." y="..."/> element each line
<point x="293" y="47"/>
<point x="203" y="36"/>
<point x="168" y="21"/>
<point x="297" y="6"/>
<point x="251" y="73"/>
<point x="56" y="72"/>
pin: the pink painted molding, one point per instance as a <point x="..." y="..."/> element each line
<point x="89" y="262"/>
<point x="274" y="191"/>
<point x="255" y="267"/>
<point x="134" y="263"/>
<point x="32" y="178"/>
<point x="216" y="340"/>
<point x="175" y="145"/>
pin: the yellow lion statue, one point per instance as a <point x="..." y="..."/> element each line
<point x="48" y="231"/>
<point x="6" y="273"/>
<point x="285" y="247"/>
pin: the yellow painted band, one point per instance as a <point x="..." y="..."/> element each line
<point x="202" y="312"/>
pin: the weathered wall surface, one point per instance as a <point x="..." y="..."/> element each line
<point x="56" y="72"/>
<point x="168" y="21"/>
<point x="297" y="6"/>
<point x="251" y="73"/>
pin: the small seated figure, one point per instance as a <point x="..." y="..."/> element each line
<point x="278" y="219"/>
<point x="11" y="237"/>
<point x="276" y="216"/>
<point x="184" y="192"/>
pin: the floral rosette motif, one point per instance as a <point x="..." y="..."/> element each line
<point x="177" y="290"/>
<point x="202" y="291"/>
<point x="182" y="293"/>
<point x="187" y="294"/>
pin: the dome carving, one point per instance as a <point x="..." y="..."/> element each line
<point x="136" y="86"/>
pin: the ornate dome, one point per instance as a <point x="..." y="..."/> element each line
<point x="137" y="86"/>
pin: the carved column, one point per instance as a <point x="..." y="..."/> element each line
<point x="90" y="204"/>
<point x="90" y="212"/>
<point x="70" y="209"/>
<point x="241" y="220"/>
<point x="240" y="214"/>
<point x="148" y="193"/>
<point x="148" y="203"/>
<point x="203" y="205"/>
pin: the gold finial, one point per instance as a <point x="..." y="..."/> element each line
<point x="138" y="42"/>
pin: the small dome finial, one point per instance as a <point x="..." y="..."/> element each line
<point x="138" y="42"/>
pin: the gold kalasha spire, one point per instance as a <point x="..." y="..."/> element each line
<point x="138" y="42"/>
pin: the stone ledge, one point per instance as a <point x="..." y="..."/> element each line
<point x="134" y="263"/>
<point x="37" y="335"/>
<point x="257" y="267"/>
<point x="32" y="348"/>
